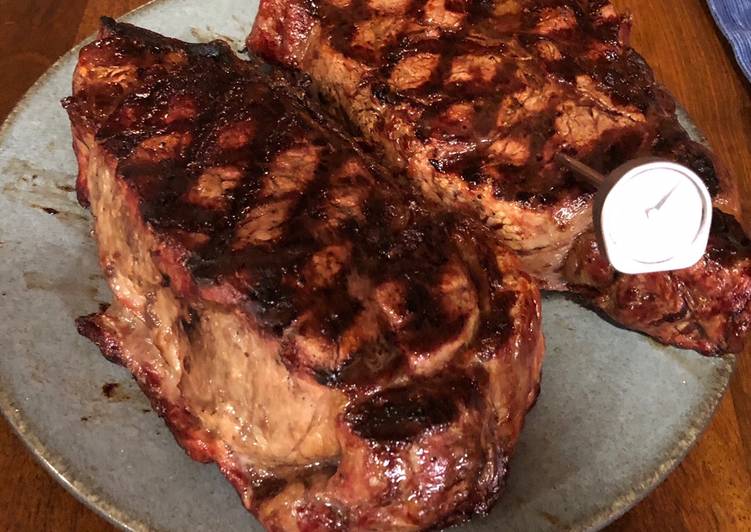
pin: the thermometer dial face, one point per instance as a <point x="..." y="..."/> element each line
<point x="656" y="217"/>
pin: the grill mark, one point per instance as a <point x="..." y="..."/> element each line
<point x="334" y="312"/>
<point x="515" y="181"/>
<point x="330" y="162"/>
<point x="342" y="23"/>
<point x="496" y="326"/>
<point x="618" y="70"/>
<point x="436" y="96"/>
<point x="275" y="135"/>
<point x="274" y="296"/>
<point x="403" y="414"/>
<point x="370" y="366"/>
<point x="429" y="328"/>
<point x="396" y="242"/>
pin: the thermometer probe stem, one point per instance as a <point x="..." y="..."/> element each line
<point x="591" y="176"/>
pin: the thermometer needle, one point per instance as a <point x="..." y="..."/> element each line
<point x="652" y="210"/>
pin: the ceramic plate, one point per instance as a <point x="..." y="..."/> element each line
<point x="616" y="414"/>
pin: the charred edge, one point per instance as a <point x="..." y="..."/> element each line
<point x="91" y="327"/>
<point x="157" y="42"/>
<point x="728" y="240"/>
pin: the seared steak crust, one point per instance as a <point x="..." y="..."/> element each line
<point x="474" y="98"/>
<point x="351" y="356"/>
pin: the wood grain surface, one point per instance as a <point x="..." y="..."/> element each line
<point x="711" y="490"/>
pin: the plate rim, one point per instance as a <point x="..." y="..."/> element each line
<point x="55" y="465"/>
<point x="686" y="442"/>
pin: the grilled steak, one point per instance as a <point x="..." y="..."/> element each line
<point x="352" y="357"/>
<point x="474" y="98"/>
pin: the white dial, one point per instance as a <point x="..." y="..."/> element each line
<point x="655" y="217"/>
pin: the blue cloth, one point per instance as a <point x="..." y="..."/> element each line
<point x="734" y="19"/>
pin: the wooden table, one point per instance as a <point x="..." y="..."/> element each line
<point x="711" y="490"/>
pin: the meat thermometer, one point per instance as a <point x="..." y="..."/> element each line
<point x="650" y="215"/>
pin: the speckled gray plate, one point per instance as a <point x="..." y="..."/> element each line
<point x="616" y="414"/>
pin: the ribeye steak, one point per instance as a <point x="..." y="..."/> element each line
<point x="352" y="357"/>
<point x="474" y="99"/>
